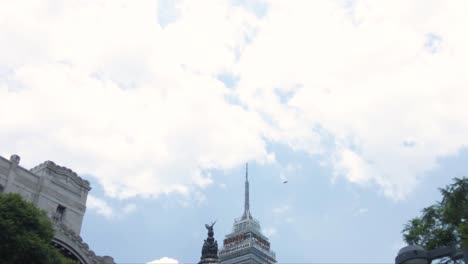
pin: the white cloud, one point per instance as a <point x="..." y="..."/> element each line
<point x="362" y="211"/>
<point x="270" y="231"/>
<point x="281" y="209"/>
<point x="129" y="208"/>
<point x="282" y="214"/>
<point x="362" y="82"/>
<point x="103" y="208"/>
<point x="352" y="165"/>
<point x="102" y="88"/>
<point x="289" y="169"/>
<point x="100" y="206"/>
<point x="164" y="260"/>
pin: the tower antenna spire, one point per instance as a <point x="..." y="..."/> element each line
<point x="246" y="198"/>
<point x="247" y="171"/>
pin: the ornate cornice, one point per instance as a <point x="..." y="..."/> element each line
<point x="62" y="171"/>
<point x="77" y="240"/>
<point x="79" y="244"/>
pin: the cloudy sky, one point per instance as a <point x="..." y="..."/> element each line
<point x="360" y="104"/>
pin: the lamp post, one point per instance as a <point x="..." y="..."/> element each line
<point x="414" y="254"/>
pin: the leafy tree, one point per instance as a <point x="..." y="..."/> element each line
<point x="444" y="222"/>
<point x="26" y="233"/>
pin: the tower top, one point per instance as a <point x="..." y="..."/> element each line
<point x="246" y="243"/>
<point x="247" y="172"/>
<point x="246" y="195"/>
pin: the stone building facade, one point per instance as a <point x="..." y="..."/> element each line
<point x="62" y="194"/>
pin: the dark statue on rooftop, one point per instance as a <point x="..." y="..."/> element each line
<point x="210" y="229"/>
<point x="210" y="247"/>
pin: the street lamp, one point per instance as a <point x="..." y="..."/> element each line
<point x="414" y="254"/>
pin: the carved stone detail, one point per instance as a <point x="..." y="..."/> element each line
<point x="210" y="247"/>
<point x="51" y="167"/>
<point x="82" y="245"/>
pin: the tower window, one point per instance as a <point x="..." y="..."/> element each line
<point x="1" y="188"/>
<point x="59" y="213"/>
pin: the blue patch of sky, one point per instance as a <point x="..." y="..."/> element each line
<point x="433" y="42"/>
<point x="327" y="139"/>
<point x="151" y="232"/>
<point x="349" y="4"/>
<point x="353" y="143"/>
<point x="328" y="222"/>
<point x="323" y="212"/>
<point x="233" y="99"/>
<point x="268" y="119"/>
<point x="317" y="208"/>
<point x="237" y="53"/>
<point x="284" y="95"/>
<point x="258" y="7"/>
<point x="167" y="12"/>
<point x="228" y="79"/>
<point x="248" y="38"/>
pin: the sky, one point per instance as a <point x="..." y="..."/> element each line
<point x="359" y="104"/>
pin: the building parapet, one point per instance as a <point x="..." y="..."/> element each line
<point x="61" y="170"/>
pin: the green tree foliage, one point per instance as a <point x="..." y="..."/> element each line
<point x="26" y="233"/>
<point x="444" y="222"/>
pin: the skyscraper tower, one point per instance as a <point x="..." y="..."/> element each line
<point x="246" y="243"/>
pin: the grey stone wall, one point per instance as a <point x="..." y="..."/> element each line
<point x="57" y="190"/>
<point x="61" y="193"/>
